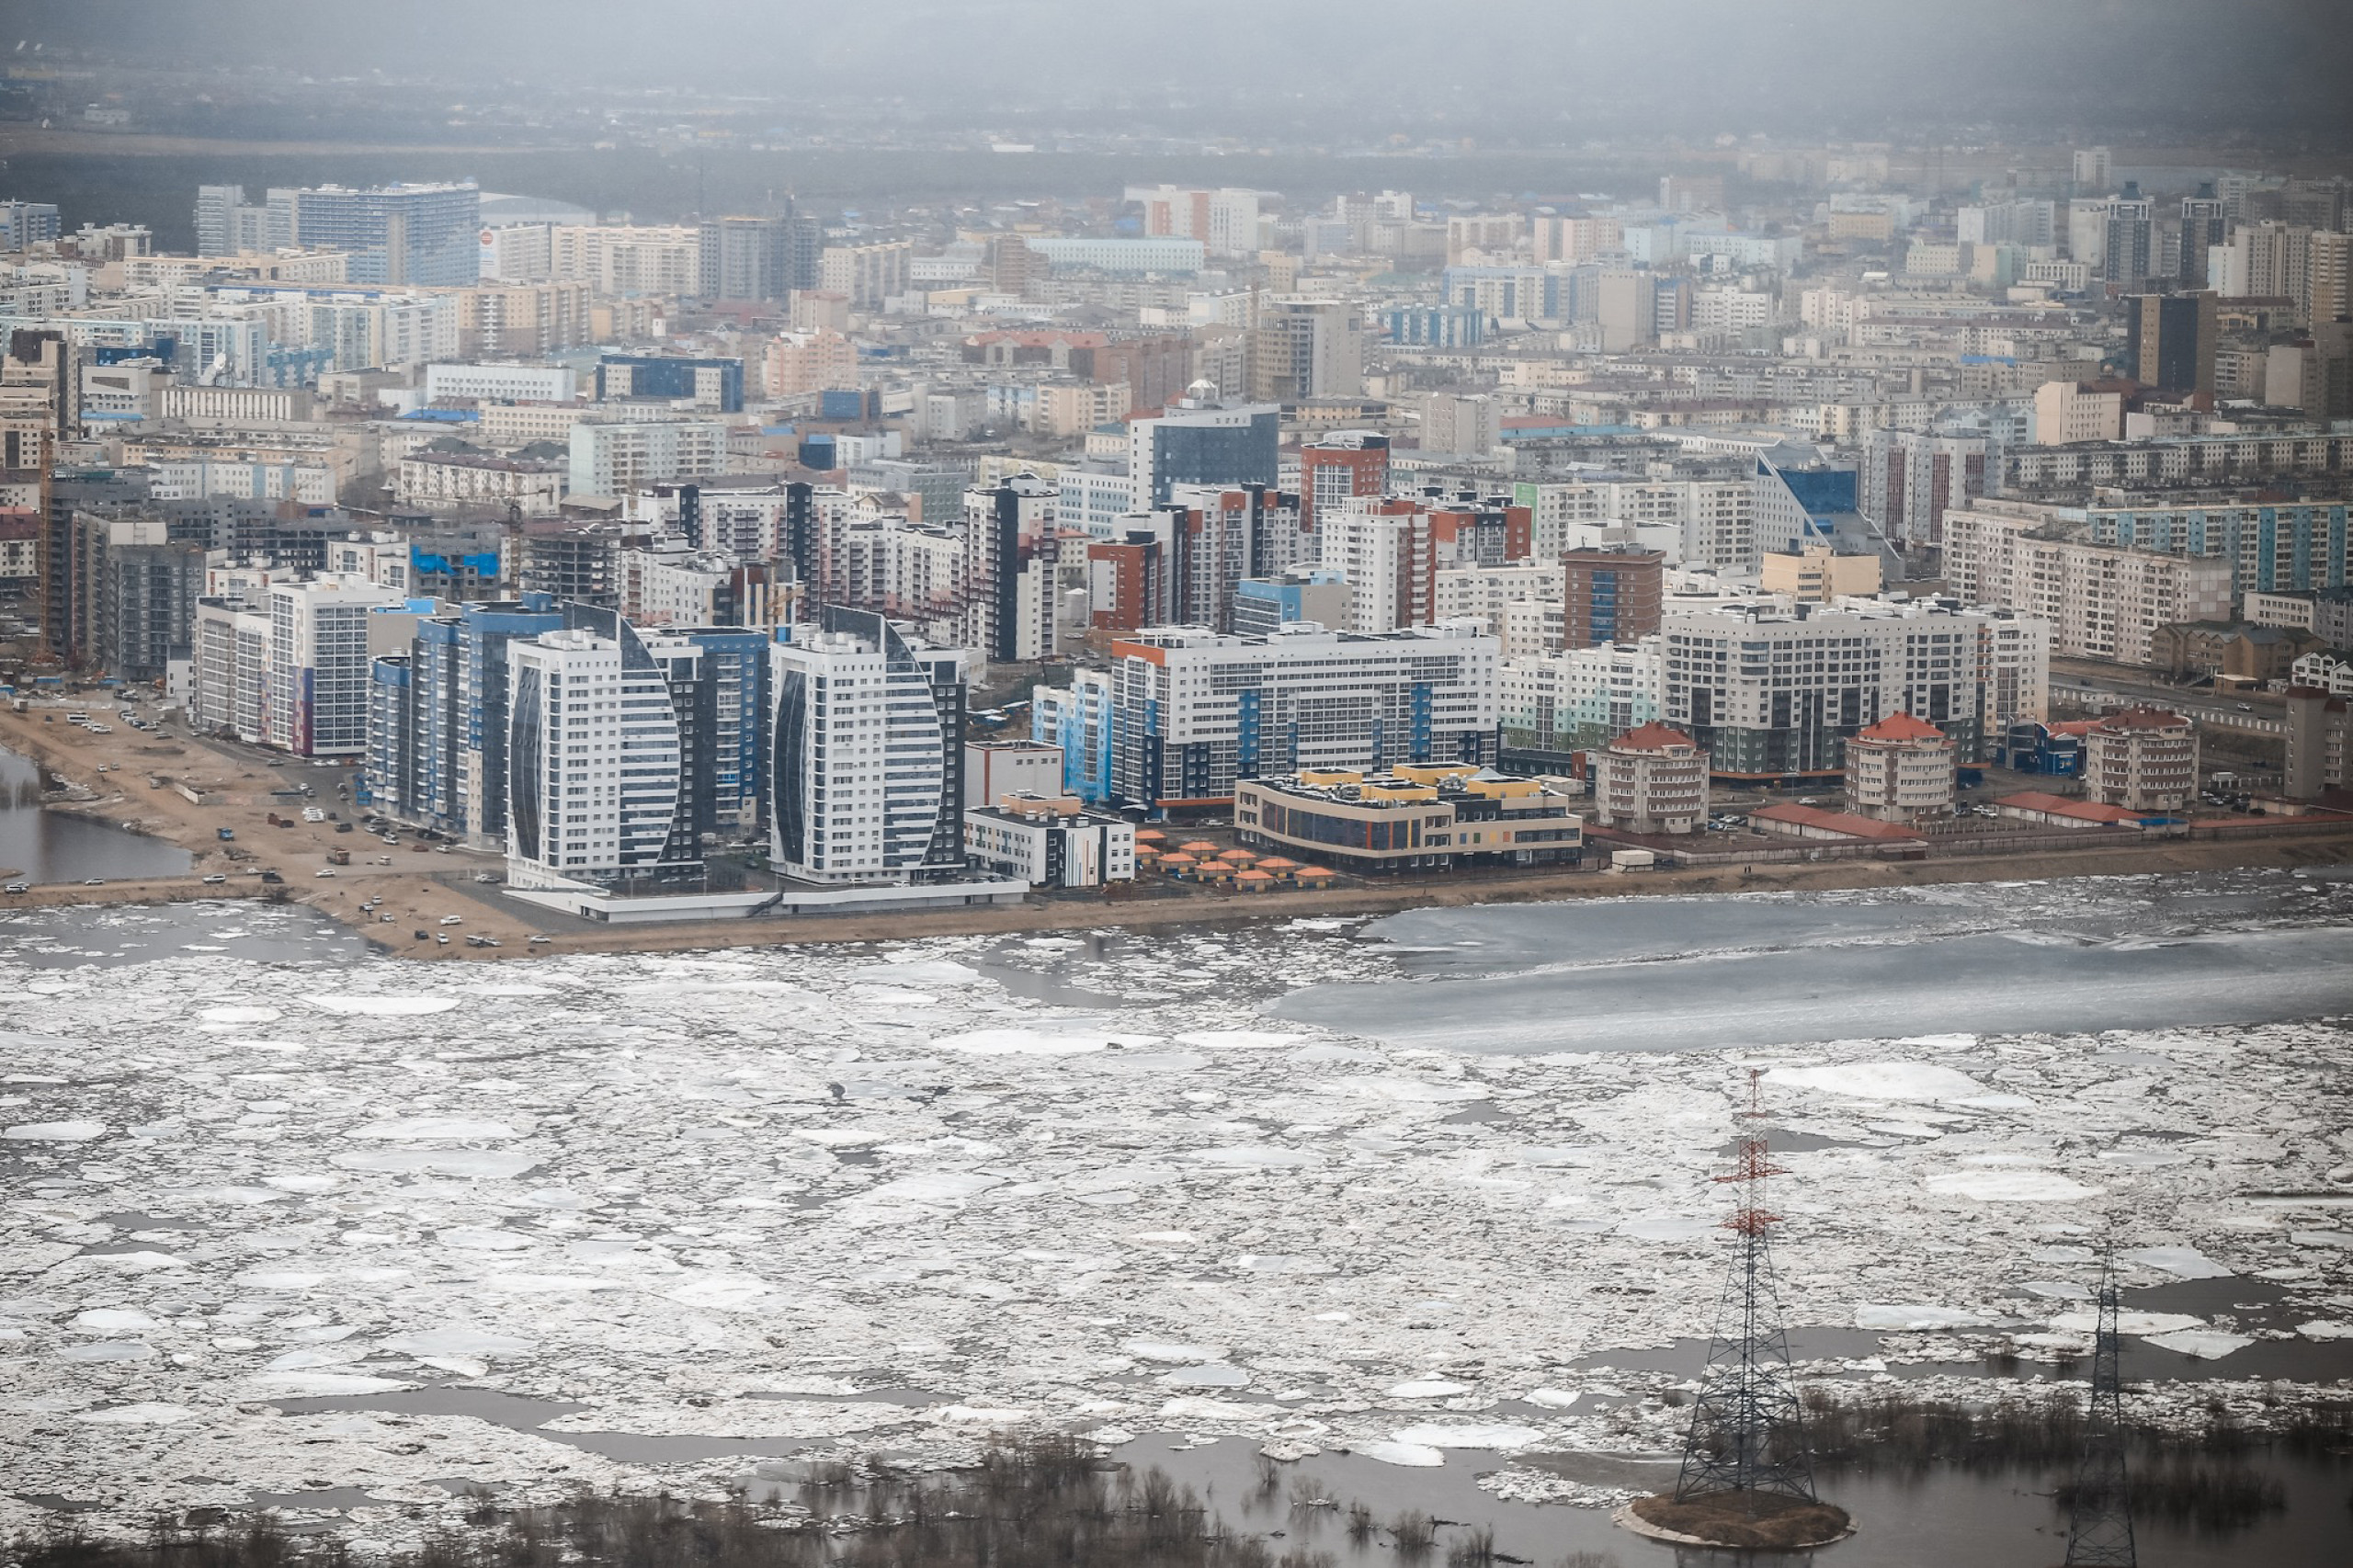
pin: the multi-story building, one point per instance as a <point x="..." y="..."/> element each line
<point x="745" y="256"/>
<point x="322" y="636"/>
<point x="869" y="274"/>
<point x="1076" y="719"/>
<point x="866" y="783"/>
<point x="1049" y="840"/>
<point x="2143" y="759"/>
<point x="2069" y="413"/>
<point x="2101" y="601"/>
<point x="1338" y="467"/>
<point x="1609" y="595"/>
<point x="1579" y="698"/>
<point x="707" y="386"/>
<point x="1519" y="602"/>
<point x="1772" y="690"/>
<point x="2170" y="341"/>
<point x="1225" y="221"/>
<point x="2318" y="732"/>
<point x="1201" y="443"/>
<point x="500" y="383"/>
<point x="1900" y="769"/>
<point x="1417" y="817"/>
<point x="1910" y="480"/>
<point x="1303" y="347"/>
<point x="1818" y="574"/>
<point x="1653" y="779"/>
<point x="396" y="233"/>
<point x="595" y="779"/>
<point x="1193" y="710"/>
<point x="450" y="479"/>
<point x="611" y="457"/>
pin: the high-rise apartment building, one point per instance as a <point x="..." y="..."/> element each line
<point x="2101" y="601"/>
<point x="594" y="756"/>
<point x="609" y="458"/>
<point x="1609" y="595"/>
<point x="1226" y="221"/>
<point x="2130" y="247"/>
<point x="1301" y="348"/>
<point x="745" y="258"/>
<point x="427" y="234"/>
<point x="866" y="783"/>
<point x="2170" y="341"/>
<point x="1334" y="468"/>
<point x="1193" y="711"/>
<point x="1910" y="479"/>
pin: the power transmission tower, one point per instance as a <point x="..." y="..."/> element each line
<point x="2099" y="1534"/>
<point x="1747" y="1431"/>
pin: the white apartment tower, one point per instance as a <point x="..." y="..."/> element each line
<point x="593" y="762"/>
<point x="867" y="780"/>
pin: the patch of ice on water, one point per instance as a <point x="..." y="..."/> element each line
<point x="1216" y="1375"/>
<point x="383" y="1006"/>
<point x="305" y="1181"/>
<point x="1414" y="1091"/>
<point x="1034" y="1042"/>
<point x="1418" y="1456"/>
<point x="1193" y="1407"/>
<point x="321" y="1385"/>
<point x="471" y="1342"/>
<point x="107" y="1350"/>
<point x="441" y="1162"/>
<point x="1666" y="1227"/>
<point x="1468" y="1434"/>
<point x="114" y="1320"/>
<point x="1183" y="1354"/>
<point x="1915" y="1318"/>
<point x="2011" y="1186"/>
<point x="477" y="1238"/>
<point x="1323" y="1055"/>
<point x="2143" y="1324"/>
<point x="1279" y="1262"/>
<point x="684" y="988"/>
<point x="55" y="1132"/>
<point x="2322" y="1328"/>
<point x="1427" y="1388"/>
<point x="2204" y="1345"/>
<point x="240" y="1015"/>
<point x="938" y="1187"/>
<point x="1236" y="1039"/>
<point x="2185" y="1263"/>
<point x="1554" y="1399"/>
<point x="2056" y="1290"/>
<point x="921" y="971"/>
<point x="441" y="1127"/>
<point x="1881" y="1081"/>
<point x="722" y="1292"/>
<point x="147" y="1413"/>
<point x="1258" y="1157"/>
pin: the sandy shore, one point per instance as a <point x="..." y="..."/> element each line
<point x="421" y="890"/>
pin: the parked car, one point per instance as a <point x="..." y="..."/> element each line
<point x="454" y="920"/>
<point x="20" y="887"/>
<point x="93" y="881"/>
<point x="322" y="871"/>
<point x="214" y="880"/>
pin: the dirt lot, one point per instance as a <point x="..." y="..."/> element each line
<point x="243" y="778"/>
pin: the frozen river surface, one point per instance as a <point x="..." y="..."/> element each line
<point x="282" y="1220"/>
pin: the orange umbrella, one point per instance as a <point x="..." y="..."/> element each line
<point x="1198" y="846"/>
<point x="1254" y="881"/>
<point x="1277" y="863"/>
<point x="1149" y="835"/>
<point x="1238" y="857"/>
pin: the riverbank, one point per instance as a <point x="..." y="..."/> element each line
<point x="423" y="891"/>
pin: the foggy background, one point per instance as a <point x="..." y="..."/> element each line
<point x="1529" y="69"/>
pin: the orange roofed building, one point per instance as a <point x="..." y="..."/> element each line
<point x="1900" y="770"/>
<point x="1653" y="779"/>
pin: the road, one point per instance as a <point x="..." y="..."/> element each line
<point x="2250" y="713"/>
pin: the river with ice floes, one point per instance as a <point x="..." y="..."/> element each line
<point x="289" y="1223"/>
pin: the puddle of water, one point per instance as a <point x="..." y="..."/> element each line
<point x="516" y="1411"/>
<point x="132" y="1219"/>
<point x="332" y="1498"/>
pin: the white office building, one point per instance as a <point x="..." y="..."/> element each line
<point x="593" y="762"/>
<point x="867" y="780"/>
<point x="324" y="635"/>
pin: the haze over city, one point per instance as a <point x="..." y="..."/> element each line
<point x="1242" y="786"/>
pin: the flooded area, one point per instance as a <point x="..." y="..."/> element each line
<point x="41" y="846"/>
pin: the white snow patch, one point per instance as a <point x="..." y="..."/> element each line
<point x="2322" y="1328"/>
<point x="1554" y="1399"/>
<point x="1033" y="1042"/>
<point x="2145" y="1326"/>
<point x="1236" y="1039"/>
<point x="1666" y="1227"/>
<point x="441" y="1162"/>
<point x="1182" y="1354"/>
<point x="321" y="1385"/>
<point x="1414" y="1091"/>
<point x="1258" y="1157"/>
<point x="468" y="1342"/>
<point x="937" y="1187"/>
<point x="240" y="1015"/>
